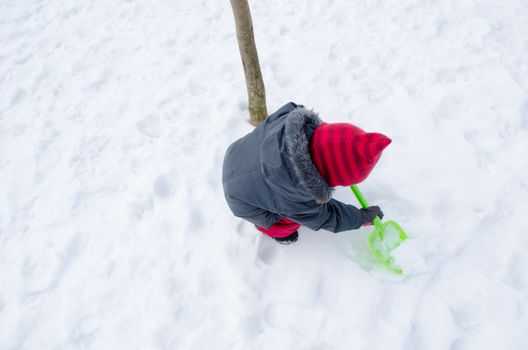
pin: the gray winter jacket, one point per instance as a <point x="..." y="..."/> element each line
<point x="269" y="174"/>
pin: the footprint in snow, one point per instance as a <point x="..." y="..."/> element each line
<point x="149" y="126"/>
<point x="267" y="250"/>
<point x="267" y="247"/>
<point x="523" y="111"/>
<point x="162" y="187"/>
<point x="465" y="317"/>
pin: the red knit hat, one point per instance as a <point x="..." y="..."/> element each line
<point x="344" y="154"/>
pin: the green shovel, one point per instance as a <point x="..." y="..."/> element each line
<point x="385" y="238"/>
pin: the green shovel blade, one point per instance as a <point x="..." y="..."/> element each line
<point x="384" y="239"/>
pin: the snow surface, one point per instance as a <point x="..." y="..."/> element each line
<point x="114" y="119"/>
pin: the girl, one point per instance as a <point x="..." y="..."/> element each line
<point x="282" y="174"/>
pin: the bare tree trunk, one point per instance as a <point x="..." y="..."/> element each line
<point x="250" y="61"/>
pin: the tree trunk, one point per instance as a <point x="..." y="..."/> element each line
<point x="250" y="61"/>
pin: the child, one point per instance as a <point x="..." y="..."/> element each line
<point x="282" y="174"/>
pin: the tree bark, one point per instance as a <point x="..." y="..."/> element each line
<point x="250" y="62"/>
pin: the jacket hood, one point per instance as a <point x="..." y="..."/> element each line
<point x="285" y="154"/>
<point x="298" y="128"/>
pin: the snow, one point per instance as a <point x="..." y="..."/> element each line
<point x="114" y="119"/>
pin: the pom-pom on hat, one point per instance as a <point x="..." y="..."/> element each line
<point x="344" y="154"/>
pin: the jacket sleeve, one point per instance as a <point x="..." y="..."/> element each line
<point x="251" y="213"/>
<point x="333" y="216"/>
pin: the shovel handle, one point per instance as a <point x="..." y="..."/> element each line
<point x="359" y="196"/>
<point x="364" y="204"/>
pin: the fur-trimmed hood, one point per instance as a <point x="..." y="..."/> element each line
<point x="298" y="129"/>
